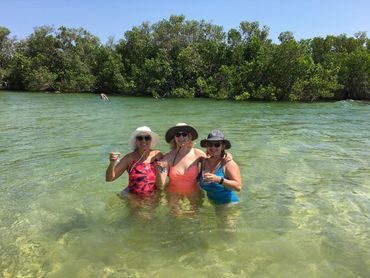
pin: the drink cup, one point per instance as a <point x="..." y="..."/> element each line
<point x="203" y="173"/>
<point x="114" y="155"/>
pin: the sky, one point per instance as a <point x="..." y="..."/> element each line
<point x="112" y="18"/>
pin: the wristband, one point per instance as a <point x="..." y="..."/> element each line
<point x="162" y="169"/>
<point x="221" y="181"/>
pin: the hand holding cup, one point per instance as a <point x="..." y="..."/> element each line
<point x="209" y="177"/>
<point x="113" y="156"/>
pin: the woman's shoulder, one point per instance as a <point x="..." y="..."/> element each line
<point x="157" y="154"/>
<point x="229" y="164"/>
<point x="199" y="152"/>
<point x="129" y="157"/>
<point x="169" y="155"/>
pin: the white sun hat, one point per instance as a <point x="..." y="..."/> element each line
<point x="143" y="130"/>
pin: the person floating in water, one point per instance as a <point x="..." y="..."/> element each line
<point x="103" y="97"/>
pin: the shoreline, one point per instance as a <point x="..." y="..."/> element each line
<point x="365" y="101"/>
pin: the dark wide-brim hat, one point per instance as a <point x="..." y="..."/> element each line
<point x="181" y="127"/>
<point x="216" y="136"/>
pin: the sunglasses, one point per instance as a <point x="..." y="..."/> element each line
<point x="146" y="138"/>
<point x="215" y="144"/>
<point x="183" y="134"/>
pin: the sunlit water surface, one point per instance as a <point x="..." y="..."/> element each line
<point x="304" y="209"/>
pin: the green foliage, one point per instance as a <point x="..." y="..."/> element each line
<point x="182" y="93"/>
<point x="289" y="62"/>
<point x="19" y="71"/>
<point x="156" y="75"/>
<point x="225" y="82"/>
<point x="40" y="79"/>
<point x="268" y="92"/>
<point x="109" y="72"/>
<point x="355" y="75"/>
<point x="76" y="60"/>
<point x="243" y="96"/>
<point x="206" y="87"/>
<point x="317" y="84"/>
<point x="176" y="57"/>
<point x="6" y="53"/>
<point x="190" y="65"/>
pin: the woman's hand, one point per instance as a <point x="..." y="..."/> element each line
<point x="209" y="177"/>
<point x="113" y="156"/>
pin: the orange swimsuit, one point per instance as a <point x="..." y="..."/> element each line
<point x="185" y="184"/>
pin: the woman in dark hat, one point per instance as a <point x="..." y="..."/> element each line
<point x="181" y="166"/>
<point x="220" y="178"/>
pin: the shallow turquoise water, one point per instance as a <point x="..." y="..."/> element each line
<point x="305" y="203"/>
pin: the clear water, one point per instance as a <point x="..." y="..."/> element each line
<point x="305" y="203"/>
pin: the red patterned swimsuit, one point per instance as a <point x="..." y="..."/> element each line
<point x="142" y="177"/>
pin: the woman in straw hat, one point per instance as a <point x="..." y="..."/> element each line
<point x="181" y="166"/>
<point x="140" y="163"/>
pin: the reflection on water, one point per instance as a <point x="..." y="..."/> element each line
<point x="304" y="205"/>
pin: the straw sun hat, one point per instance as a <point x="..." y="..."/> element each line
<point x="171" y="132"/>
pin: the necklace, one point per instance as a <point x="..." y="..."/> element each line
<point x="133" y="166"/>
<point x="174" y="159"/>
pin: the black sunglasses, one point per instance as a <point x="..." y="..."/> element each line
<point x="215" y="144"/>
<point x="146" y="138"/>
<point x="183" y="134"/>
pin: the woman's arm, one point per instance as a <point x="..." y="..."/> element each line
<point x="199" y="153"/>
<point x="233" y="180"/>
<point x="162" y="170"/>
<point x="114" y="171"/>
<point x="228" y="157"/>
<point x="158" y="155"/>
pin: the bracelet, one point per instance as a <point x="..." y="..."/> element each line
<point x="162" y="169"/>
<point x="221" y="180"/>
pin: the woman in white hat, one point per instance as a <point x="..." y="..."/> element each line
<point x="140" y="163"/>
<point x="181" y="166"/>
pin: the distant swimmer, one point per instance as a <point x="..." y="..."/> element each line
<point x="103" y="97"/>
